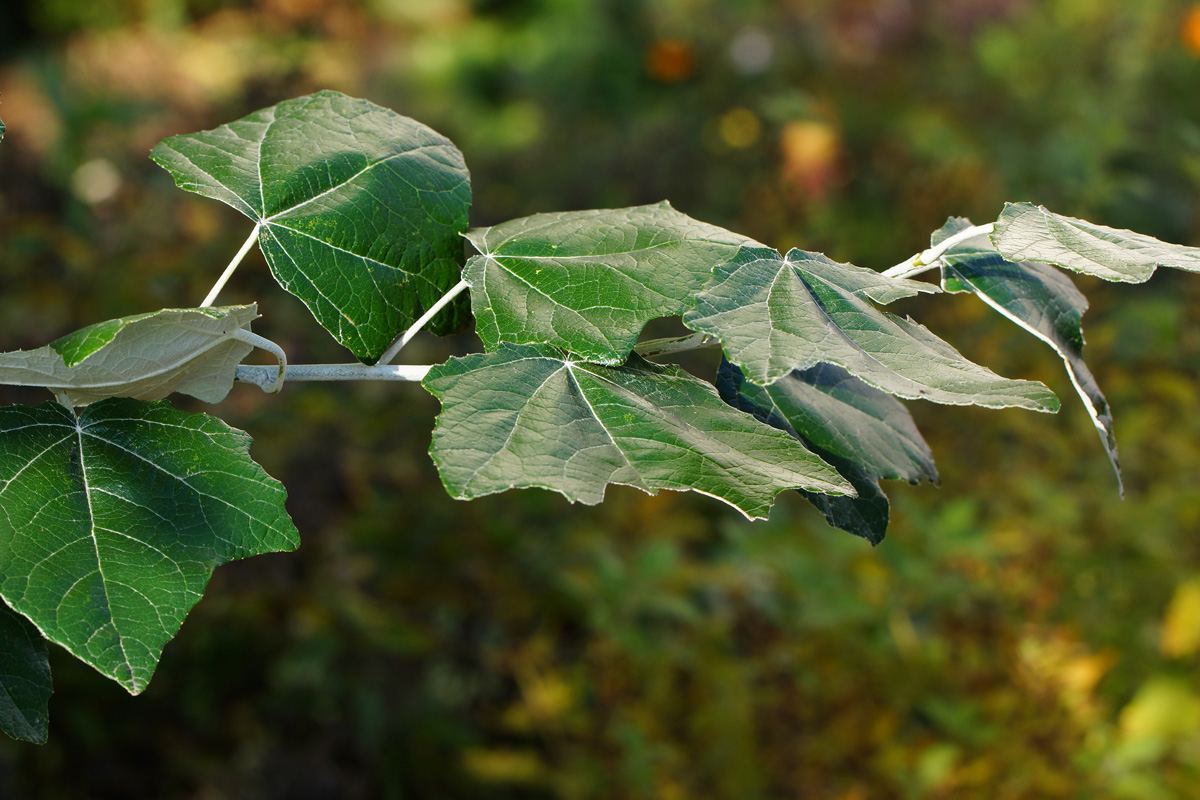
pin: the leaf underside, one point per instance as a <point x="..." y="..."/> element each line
<point x="774" y="315"/>
<point x="589" y="281"/>
<point x="146" y="356"/>
<point x="25" y="685"/>
<point x="863" y="432"/>
<point x="1039" y="299"/>
<point x="113" y="522"/>
<point x="526" y="415"/>
<point x="360" y="210"/>
<point x="1025" y="232"/>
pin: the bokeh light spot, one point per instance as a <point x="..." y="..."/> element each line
<point x="739" y="128"/>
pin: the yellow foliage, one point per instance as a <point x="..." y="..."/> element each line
<point x="1164" y="709"/>
<point x="1181" y="626"/>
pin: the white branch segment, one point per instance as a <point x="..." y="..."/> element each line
<point x="928" y="259"/>
<point x="395" y="347"/>
<point x="273" y="383"/>
<point x="233" y="265"/>
<point x="264" y="377"/>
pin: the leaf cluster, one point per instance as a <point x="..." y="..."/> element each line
<point x="117" y="507"/>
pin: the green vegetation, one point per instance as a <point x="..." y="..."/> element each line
<point x="1009" y="639"/>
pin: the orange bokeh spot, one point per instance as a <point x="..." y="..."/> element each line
<point x="1190" y="32"/>
<point x="670" y="60"/>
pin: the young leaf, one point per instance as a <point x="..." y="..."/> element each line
<point x="775" y="314"/>
<point x="589" y="281"/>
<point x="863" y="432"/>
<point x="25" y="686"/>
<point x="114" y="521"/>
<point x="1039" y="299"/>
<point x="359" y="209"/>
<point x="1025" y="232"/>
<point x="527" y="415"/>
<point x="146" y="356"/>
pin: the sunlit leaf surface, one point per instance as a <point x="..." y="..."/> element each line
<point x="114" y="520"/>
<point x="527" y="415"/>
<point x="360" y="209"/>
<point x="775" y="314"/>
<point x="1025" y="232"/>
<point x="589" y="281"/>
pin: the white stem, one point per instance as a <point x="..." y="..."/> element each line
<point x="398" y="345"/>
<point x="276" y="381"/>
<point x="265" y="376"/>
<point x="678" y="344"/>
<point x="928" y="259"/>
<point x="233" y="265"/>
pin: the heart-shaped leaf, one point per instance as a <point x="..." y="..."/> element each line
<point x="1039" y="299"/>
<point x="775" y="314"/>
<point x="147" y="356"/>
<point x="25" y="685"/>
<point x="863" y="432"/>
<point x="527" y="415"/>
<point x="113" y="521"/>
<point x="1025" y="232"/>
<point x="360" y="210"/>
<point x="589" y="281"/>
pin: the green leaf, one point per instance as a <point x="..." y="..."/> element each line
<point x="589" y="281"/>
<point x="775" y="314"/>
<point x="863" y="432"/>
<point x="1039" y="299"/>
<point x="527" y="415"/>
<point x="1026" y="232"/>
<point x="360" y="210"/>
<point x="114" y="521"/>
<point x="25" y="685"/>
<point x="146" y="356"/>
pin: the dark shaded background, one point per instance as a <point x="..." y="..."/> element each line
<point x="1021" y="633"/>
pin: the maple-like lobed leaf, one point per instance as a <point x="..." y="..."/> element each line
<point x="1025" y="232"/>
<point x="589" y="281"/>
<point x="775" y="314"/>
<point x="1039" y="299"/>
<point x="531" y="416"/>
<point x="113" y="521"/>
<point x="864" y="433"/>
<point x="145" y="356"/>
<point x="360" y="210"/>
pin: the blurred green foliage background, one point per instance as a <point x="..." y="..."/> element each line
<point x="1022" y="632"/>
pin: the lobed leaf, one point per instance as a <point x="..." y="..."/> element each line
<point x="774" y="315"/>
<point x="589" y="281"/>
<point x="359" y="209"/>
<point x="1039" y="299"/>
<point x="1025" y="232"/>
<point x="865" y="433"/>
<point x="25" y="686"/>
<point x="145" y="356"/>
<point x="113" y="521"/>
<point x="528" y="415"/>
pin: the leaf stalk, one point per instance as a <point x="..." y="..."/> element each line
<point x="229" y="270"/>
<point x="928" y="259"/>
